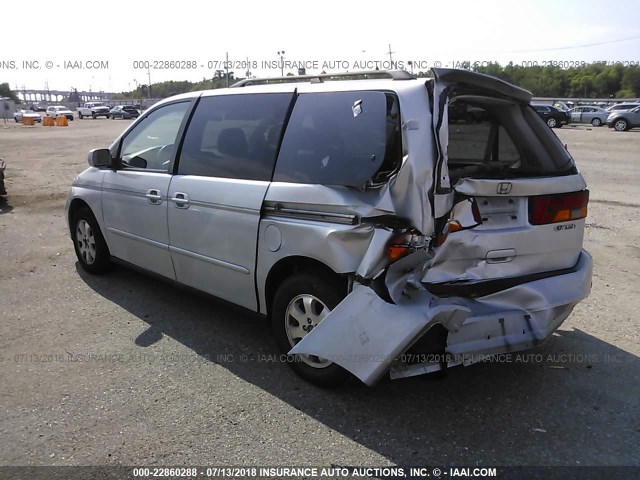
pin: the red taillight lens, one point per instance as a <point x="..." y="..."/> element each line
<point x="402" y="245"/>
<point x="562" y="207"/>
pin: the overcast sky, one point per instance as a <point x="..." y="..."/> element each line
<point x="123" y="32"/>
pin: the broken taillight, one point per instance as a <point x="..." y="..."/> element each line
<point x="402" y="245"/>
<point x="556" y="208"/>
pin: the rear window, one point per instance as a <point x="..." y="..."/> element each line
<point x="491" y="138"/>
<point x="341" y="138"/>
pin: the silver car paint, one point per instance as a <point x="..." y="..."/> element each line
<point x="367" y="334"/>
<point x="135" y="228"/>
<point x="364" y="326"/>
<point x="325" y="223"/>
<point x="214" y="235"/>
<point x="579" y="115"/>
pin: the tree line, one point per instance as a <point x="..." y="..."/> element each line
<point x="588" y="81"/>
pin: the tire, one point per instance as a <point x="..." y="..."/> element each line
<point x="80" y="115"/>
<point x="313" y="295"/>
<point x="621" y="125"/>
<point x="16" y="120"/>
<point x="93" y="115"/>
<point x="552" y="122"/>
<point x="91" y="248"/>
<point x="596" y="122"/>
<point x="107" y="117"/>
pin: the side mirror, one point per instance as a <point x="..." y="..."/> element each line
<point x="100" y="157"/>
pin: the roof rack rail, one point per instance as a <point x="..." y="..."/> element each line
<point x="321" y="78"/>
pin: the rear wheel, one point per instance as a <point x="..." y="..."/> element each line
<point x="552" y="122"/>
<point x="93" y="115"/>
<point x="88" y="242"/>
<point x="596" y="122"/>
<point x="299" y="305"/>
<point x="80" y="115"/>
<point x="621" y="125"/>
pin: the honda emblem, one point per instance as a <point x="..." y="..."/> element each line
<point x="503" y="188"/>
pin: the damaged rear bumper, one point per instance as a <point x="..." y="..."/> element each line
<point x="367" y="336"/>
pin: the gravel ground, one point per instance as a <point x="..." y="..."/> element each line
<point x="127" y="369"/>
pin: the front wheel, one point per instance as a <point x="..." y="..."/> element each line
<point x="596" y="122"/>
<point x="621" y="125"/>
<point x="79" y="115"/>
<point x="299" y="305"/>
<point x="91" y="248"/>
<point x="552" y="122"/>
<point x="93" y="115"/>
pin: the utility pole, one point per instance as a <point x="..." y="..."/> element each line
<point x="149" y="75"/>
<point x="281" y="53"/>
<point x="226" y="68"/>
<point x="390" y="57"/>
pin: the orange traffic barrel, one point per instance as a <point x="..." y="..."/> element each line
<point x="62" y="122"/>
<point x="28" y="121"/>
<point x="48" y="122"/>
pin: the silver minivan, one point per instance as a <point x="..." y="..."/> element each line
<point x="377" y="236"/>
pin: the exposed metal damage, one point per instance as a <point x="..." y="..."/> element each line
<point x="392" y="305"/>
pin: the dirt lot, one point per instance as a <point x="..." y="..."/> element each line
<point x="182" y="379"/>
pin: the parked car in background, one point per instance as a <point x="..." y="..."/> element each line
<point x="624" y="120"/>
<point x="124" y="111"/>
<point x="20" y="114"/>
<point x="553" y="117"/>
<point x="461" y="112"/>
<point x="59" y="111"/>
<point x="318" y="204"/>
<point x="564" y="106"/>
<point x="596" y="116"/>
<point x="39" y="107"/>
<point x="93" y="110"/>
<point x="622" y="107"/>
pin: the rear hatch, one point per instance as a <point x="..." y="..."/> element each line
<point x="527" y="199"/>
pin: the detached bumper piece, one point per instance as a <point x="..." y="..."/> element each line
<point x="367" y="336"/>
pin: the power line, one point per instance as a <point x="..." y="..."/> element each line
<point x="573" y="46"/>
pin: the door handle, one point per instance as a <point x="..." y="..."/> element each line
<point x="154" y="195"/>
<point x="500" y="256"/>
<point x="181" y="200"/>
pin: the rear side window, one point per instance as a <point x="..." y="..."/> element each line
<point x="341" y="138"/>
<point x="234" y="136"/>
